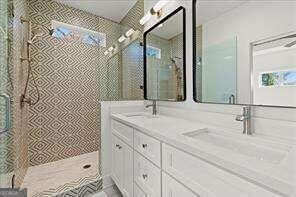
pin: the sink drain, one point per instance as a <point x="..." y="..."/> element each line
<point x="86" y="166"/>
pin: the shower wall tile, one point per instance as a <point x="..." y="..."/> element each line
<point x="132" y="56"/>
<point x="73" y="78"/>
<point x="133" y="17"/>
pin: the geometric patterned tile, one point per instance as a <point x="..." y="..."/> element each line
<point x="65" y="123"/>
<point x="73" y="77"/>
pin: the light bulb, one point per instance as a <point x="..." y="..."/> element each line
<point x="111" y="49"/>
<point x="121" y="39"/>
<point x="160" y="25"/>
<point x="159" y="5"/>
<point x="106" y="52"/>
<point x="145" y="19"/>
<point x="129" y="32"/>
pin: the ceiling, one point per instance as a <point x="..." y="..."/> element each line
<point x="114" y="10"/>
<point x="208" y="10"/>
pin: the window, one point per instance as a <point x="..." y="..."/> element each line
<point x="74" y="33"/>
<point x="153" y="52"/>
<point x="278" y="78"/>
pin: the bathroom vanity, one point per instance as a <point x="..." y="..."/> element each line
<point x="154" y="156"/>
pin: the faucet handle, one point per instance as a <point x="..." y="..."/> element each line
<point x="247" y="111"/>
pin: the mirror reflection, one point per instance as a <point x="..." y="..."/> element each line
<point x="246" y="52"/>
<point x="164" y="59"/>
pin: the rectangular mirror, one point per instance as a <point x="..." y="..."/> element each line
<point x="164" y="59"/>
<point x="245" y="52"/>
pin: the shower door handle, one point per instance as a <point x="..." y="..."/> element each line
<point x="7" y="113"/>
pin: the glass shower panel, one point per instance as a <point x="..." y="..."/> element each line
<point x="219" y="72"/>
<point x="132" y="71"/>
<point x="6" y="138"/>
<point x="113" y="82"/>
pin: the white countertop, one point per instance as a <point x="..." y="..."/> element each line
<point x="277" y="177"/>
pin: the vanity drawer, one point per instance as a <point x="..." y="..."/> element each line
<point x="124" y="132"/>
<point x="205" y="179"/>
<point x="147" y="176"/>
<point x="147" y="146"/>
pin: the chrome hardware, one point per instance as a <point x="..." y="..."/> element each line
<point x="246" y="119"/>
<point x="144" y="145"/>
<point x="145" y="176"/>
<point x="153" y="105"/>
<point x="7" y="113"/>
<point x="118" y="146"/>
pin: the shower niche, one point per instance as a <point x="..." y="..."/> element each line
<point x="164" y="59"/>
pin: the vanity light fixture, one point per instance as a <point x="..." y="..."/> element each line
<point x="122" y="38"/>
<point x="159" y="5"/>
<point x="111" y="49"/>
<point x="127" y="34"/>
<point x="155" y="10"/>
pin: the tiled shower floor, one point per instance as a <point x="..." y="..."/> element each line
<point x="60" y="176"/>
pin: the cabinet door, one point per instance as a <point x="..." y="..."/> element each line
<point x="127" y="171"/>
<point x="117" y="161"/>
<point x="171" y="188"/>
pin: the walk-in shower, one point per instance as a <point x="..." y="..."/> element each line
<point x="54" y="73"/>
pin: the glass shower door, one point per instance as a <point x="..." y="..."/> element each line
<point x="6" y="137"/>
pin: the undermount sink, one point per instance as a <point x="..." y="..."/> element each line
<point x="248" y="148"/>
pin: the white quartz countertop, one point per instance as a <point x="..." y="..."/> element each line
<point x="279" y="178"/>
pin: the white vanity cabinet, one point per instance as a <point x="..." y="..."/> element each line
<point x="143" y="166"/>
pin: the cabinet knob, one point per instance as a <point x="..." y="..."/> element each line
<point x="144" y="145"/>
<point x="145" y="176"/>
<point x="118" y="146"/>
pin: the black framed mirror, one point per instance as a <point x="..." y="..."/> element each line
<point x="165" y="58"/>
<point x="244" y="52"/>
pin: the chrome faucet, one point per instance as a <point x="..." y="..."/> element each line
<point x="153" y="105"/>
<point x="246" y="119"/>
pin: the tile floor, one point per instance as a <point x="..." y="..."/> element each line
<point x="62" y="175"/>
